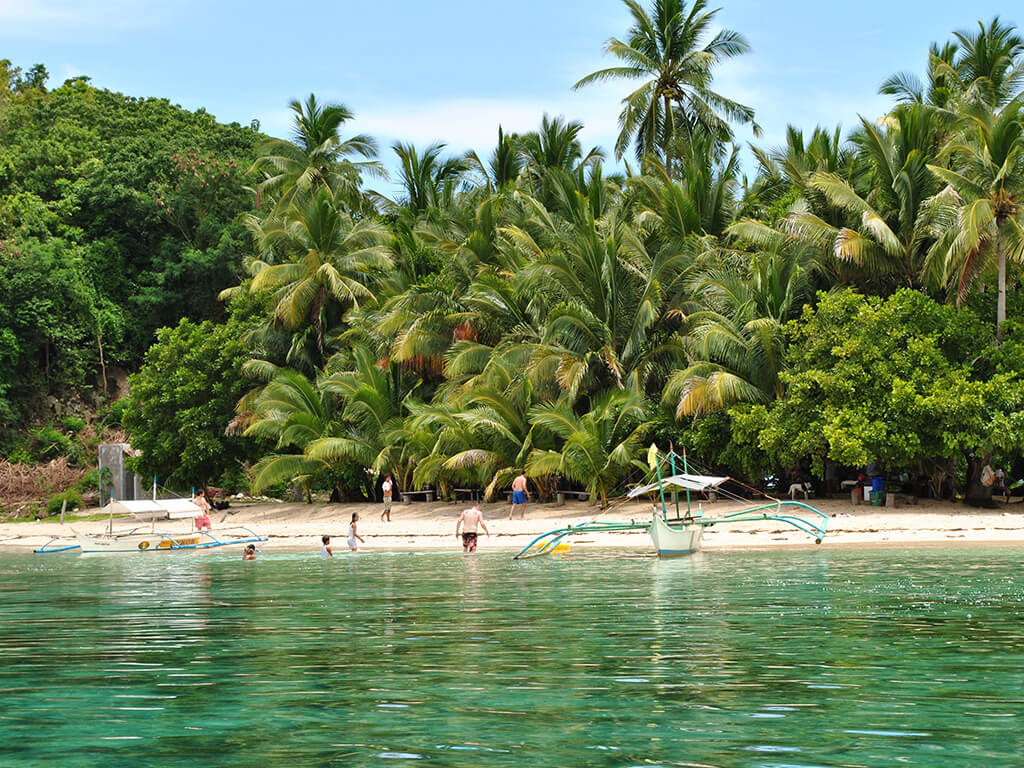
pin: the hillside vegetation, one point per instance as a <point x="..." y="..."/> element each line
<point x="854" y="298"/>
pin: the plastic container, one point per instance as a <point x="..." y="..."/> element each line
<point x="877" y="484"/>
<point x="877" y="499"/>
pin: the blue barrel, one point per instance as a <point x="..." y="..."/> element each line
<point x="877" y="484"/>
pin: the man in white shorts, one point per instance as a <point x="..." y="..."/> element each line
<point x="386" y="488"/>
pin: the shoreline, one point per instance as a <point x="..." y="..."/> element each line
<point x="431" y="526"/>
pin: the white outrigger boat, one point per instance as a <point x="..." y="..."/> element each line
<point x="149" y="541"/>
<point x="140" y="540"/>
<point x="683" y="533"/>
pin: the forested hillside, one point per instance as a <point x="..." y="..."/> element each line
<point x="854" y="297"/>
<point x="118" y="215"/>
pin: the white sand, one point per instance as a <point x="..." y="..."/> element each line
<point x="432" y="526"/>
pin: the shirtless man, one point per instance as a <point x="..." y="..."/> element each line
<point x="519" y="496"/>
<point x="468" y="521"/>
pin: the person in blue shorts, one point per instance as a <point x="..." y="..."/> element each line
<point x="519" y="496"/>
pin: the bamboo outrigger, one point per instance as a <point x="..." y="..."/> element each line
<point x="683" y="533"/>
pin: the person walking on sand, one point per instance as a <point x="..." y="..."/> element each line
<point x="519" y="496"/>
<point x="353" y="535"/>
<point x="325" y="550"/>
<point x="386" y="488"/>
<point x="468" y="522"/>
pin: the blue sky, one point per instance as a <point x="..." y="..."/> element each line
<point x="451" y="70"/>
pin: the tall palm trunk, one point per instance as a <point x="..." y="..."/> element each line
<point x="1000" y="303"/>
<point x="669" y="134"/>
<point x="1001" y="297"/>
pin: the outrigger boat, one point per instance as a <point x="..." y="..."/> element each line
<point x="683" y="533"/>
<point x="140" y="540"/>
<point x="150" y="541"/>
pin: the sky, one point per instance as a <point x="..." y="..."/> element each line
<point x="453" y="70"/>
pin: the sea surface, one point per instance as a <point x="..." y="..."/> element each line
<point x="759" y="659"/>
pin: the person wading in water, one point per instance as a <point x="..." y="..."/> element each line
<point x="468" y="521"/>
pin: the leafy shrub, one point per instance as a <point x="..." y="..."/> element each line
<point x="49" y="443"/>
<point x="54" y="504"/>
<point x="110" y="415"/>
<point x="73" y="424"/>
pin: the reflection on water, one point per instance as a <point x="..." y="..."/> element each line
<point x="768" y="660"/>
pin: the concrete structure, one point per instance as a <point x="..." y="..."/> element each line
<point x="124" y="485"/>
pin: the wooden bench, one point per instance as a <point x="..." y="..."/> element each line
<point x="407" y="496"/>
<point x="473" y="493"/>
<point x="580" y="495"/>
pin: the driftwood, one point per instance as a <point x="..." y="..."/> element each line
<point x="23" y="483"/>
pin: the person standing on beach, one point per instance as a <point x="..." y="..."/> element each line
<point x="202" y="520"/>
<point x="325" y="550"/>
<point x="519" y="496"/>
<point x="386" y="488"/>
<point x="468" y="522"/>
<point x="353" y="535"/>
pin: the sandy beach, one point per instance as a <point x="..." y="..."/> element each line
<point x="422" y="525"/>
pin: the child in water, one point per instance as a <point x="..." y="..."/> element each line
<point x="325" y="550"/>
<point x="352" y="535"/>
<point x="250" y="552"/>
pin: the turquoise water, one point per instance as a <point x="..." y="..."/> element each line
<point x="755" y="659"/>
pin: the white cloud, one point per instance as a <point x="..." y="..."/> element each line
<point x="472" y="123"/>
<point x="464" y="123"/>
<point x="57" y="18"/>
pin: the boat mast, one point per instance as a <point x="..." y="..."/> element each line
<point x="661" y="488"/>
<point x="686" y="471"/>
<point x="672" y="460"/>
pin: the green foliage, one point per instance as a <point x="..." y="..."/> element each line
<point x="117" y="215"/>
<point x="48" y="443"/>
<point x="54" y="503"/>
<point x="529" y="309"/>
<point x="892" y="380"/>
<point x="73" y="423"/>
<point x="182" y="403"/>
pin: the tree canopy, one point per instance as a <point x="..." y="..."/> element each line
<point x="854" y="296"/>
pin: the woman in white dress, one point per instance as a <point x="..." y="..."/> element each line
<point x="353" y="535"/>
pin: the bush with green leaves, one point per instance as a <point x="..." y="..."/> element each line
<point x="897" y="380"/>
<point x="183" y="400"/>
<point x="54" y="504"/>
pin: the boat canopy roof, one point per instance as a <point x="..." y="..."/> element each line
<point x="687" y="482"/>
<point x="144" y="509"/>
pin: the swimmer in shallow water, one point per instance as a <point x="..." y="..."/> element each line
<point x="325" y="550"/>
<point x="249" y="553"/>
<point x="352" y="535"/>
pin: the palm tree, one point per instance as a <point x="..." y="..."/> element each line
<point x="608" y="324"/>
<point x="990" y="63"/>
<point x="293" y="412"/>
<point x="317" y="155"/>
<point x="669" y="50"/>
<point x="943" y="83"/>
<point x="484" y="438"/>
<point x="504" y="166"/>
<point x="736" y="345"/>
<point x="891" y="230"/>
<point x="598" y="448"/>
<point x="332" y="258"/>
<point x="428" y="180"/>
<point x="988" y="175"/>
<point x="374" y="433"/>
